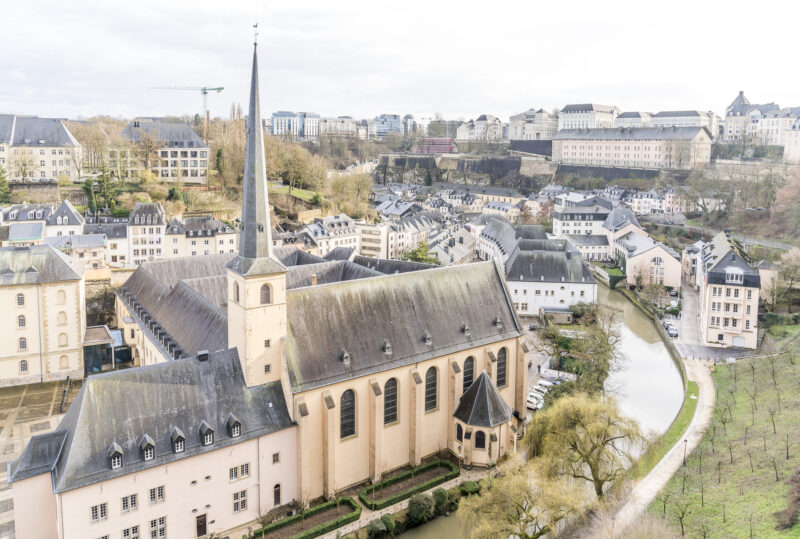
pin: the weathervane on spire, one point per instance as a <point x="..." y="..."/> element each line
<point x="255" y="37"/>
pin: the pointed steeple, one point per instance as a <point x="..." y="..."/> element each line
<point x="255" y="240"/>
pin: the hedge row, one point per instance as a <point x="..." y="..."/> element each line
<point x="771" y="319"/>
<point x="365" y="494"/>
<point x="317" y="530"/>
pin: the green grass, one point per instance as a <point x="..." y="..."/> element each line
<point x="720" y="487"/>
<point x="302" y="194"/>
<point x="673" y="435"/>
<point x="780" y="330"/>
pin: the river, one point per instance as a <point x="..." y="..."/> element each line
<point x="647" y="385"/>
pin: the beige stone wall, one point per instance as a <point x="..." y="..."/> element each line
<point x="377" y="448"/>
<point x="55" y="317"/>
<point x="644" y="266"/>
<point x="722" y="306"/>
<point x="192" y="486"/>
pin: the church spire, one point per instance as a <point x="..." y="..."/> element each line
<point x="255" y="239"/>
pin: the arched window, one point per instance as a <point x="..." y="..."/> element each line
<point x="390" y="401"/>
<point x="459" y="433"/>
<point x="61" y="320"/>
<point x="266" y="294"/>
<point x="62" y="339"/>
<point x="480" y="440"/>
<point x="657" y="261"/>
<point x="61" y="297"/>
<point x="63" y="362"/>
<point x="21" y="321"/>
<point x="502" y="360"/>
<point x="23" y="343"/>
<point x="23" y="366"/>
<point x="236" y="292"/>
<point x="431" y="378"/>
<point x="20" y="299"/>
<point x="469" y="372"/>
<point x="347" y="418"/>
<point x="276" y="494"/>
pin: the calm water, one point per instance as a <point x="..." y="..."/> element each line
<point x="647" y="386"/>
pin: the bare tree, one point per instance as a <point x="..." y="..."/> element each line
<point x="681" y="510"/>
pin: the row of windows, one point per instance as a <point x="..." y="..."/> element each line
<point x="265" y="293"/>
<point x="716" y="291"/>
<point x="347" y="411"/>
<point x="22" y="343"/>
<point x="61" y="320"/>
<point x="61" y="299"/>
<point x="480" y="437"/>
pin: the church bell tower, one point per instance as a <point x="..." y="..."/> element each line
<point x="256" y="279"/>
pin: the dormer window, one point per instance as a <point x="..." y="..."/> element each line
<point x="206" y="434"/>
<point x="734" y="276"/>
<point x="115" y="456"/>
<point x="148" y="447"/>
<point x="178" y="440"/>
<point x="234" y="426"/>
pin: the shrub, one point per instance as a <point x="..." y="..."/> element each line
<point x="453" y="495"/>
<point x="376" y="528"/>
<point x="321" y="529"/>
<point x="469" y="488"/>
<point x="420" y="509"/>
<point x="366" y="494"/>
<point x="441" y="501"/>
<point x="388" y="523"/>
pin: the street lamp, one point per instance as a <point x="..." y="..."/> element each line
<point x="685" y="443"/>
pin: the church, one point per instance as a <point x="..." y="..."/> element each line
<point x="271" y="376"/>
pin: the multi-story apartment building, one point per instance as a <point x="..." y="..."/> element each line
<point x="533" y="125"/>
<point x="38" y="149"/>
<point x="647" y="261"/>
<point x="382" y="125"/>
<point x="587" y="116"/>
<point x="582" y="219"/>
<point x="728" y="287"/>
<point x="791" y="149"/>
<point x="682" y="148"/>
<point x="197" y="236"/>
<point x="485" y="127"/>
<point x="170" y="150"/>
<point x="146" y="228"/>
<point x="327" y="233"/>
<point x="741" y="117"/>
<point x="633" y="119"/>
<point x="341" y="126"/>
<point x="87" y="250"/>
<point x="409" y="125"/>
<point x="43" y="315"/>
<point x="298" y="125"/>
<point x="772" y="127"/>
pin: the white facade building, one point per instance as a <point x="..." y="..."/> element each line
<point x="486" y="127"/>
<point x="587" y="116"/>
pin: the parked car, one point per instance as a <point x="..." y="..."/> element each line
<point x="534" y="402"/>
<point x="545" y="383"/>
<point x="539" y="391"/>
<point x="671" y="331"/>
<point x="673" y="293"/>
<point x="533" y="327"/>
<point x="668" y="222"/>
<point x="666" y="324"/>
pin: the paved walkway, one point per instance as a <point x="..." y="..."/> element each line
<point x="648" y="488"/>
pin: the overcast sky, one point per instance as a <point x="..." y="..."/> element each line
<point x="462" y="59"/>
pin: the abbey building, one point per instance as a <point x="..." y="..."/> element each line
<point x="270" y="376"/>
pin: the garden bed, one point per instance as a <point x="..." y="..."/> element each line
<point x="317" y="521"/>
<point x="405" y="484"/>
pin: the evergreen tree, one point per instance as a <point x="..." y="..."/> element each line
<point x="421" y="254"/>
<point x="5" y="190"/>
<point x="91" y="199"/>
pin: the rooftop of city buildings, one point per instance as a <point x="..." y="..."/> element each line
<point x="35" y="131"/>
<point x="170" y="134"/>
<point x="632" y="133"/>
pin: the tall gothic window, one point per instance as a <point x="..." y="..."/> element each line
<point x="459" y="433"/>
<point x="469" y="372"/>
<point x="390" y="401"/>
<point x="480" y="440"/>
<point x="236" y="292"/>
<point x="502" y="360"/>
<point x="347" y="419"/>
<point x="430" y="389"/>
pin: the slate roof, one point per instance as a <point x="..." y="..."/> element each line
<point x="530" y="232"/>
<point x="329" y="272"/>
<point x="325" y="321"/>
<point x="678" y="113"/>
<point x="340" y="253"/>
<point x="204" y="225"/>
<point x="542" y="245"/>
<point x="388" y="266"/>
<point x="172" y="134"/>
<point x="482" y="406"/>
<point x="634" y="114"/>
<point x="26" y="231"/>
<point x="631" y="133"/>
<point x="77" y="241"/>
<point x="36" y="264"/>
<point x="588" y="240"/>
<point x="22" y="212"/>
<point x="112" y="231"/>
<point x="39" y="456"/>
<point x="292" y="256"/>
<point x="549" y="267"/>
<point x="34" y="131"/>
<point x="175" y="227"/>
<point x="144" y="210"/>
<point x="723" y="252"/>
<point x="181" y="394"/>
<point x="588" y="107"/>
<point x="636" y="244"/>
<point x="69" y="215"/>
<point x="619" y="218"/>
<point x="502" y="234"/>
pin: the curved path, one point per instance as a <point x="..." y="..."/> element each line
<point x="648" y="488"/>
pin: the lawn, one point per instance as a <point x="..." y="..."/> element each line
<point x="673" y="435"/>
<point x="780" y="331"/>
<point x="302" y="194"/>
<point x="736" y="479"/>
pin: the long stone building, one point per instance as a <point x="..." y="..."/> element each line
<point x="276" y="376"/>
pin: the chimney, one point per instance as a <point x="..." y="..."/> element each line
<point x="202" y="355"/>
<point x="314" y="280"/>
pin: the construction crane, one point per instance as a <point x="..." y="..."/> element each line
<point x="202" y="89"/>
